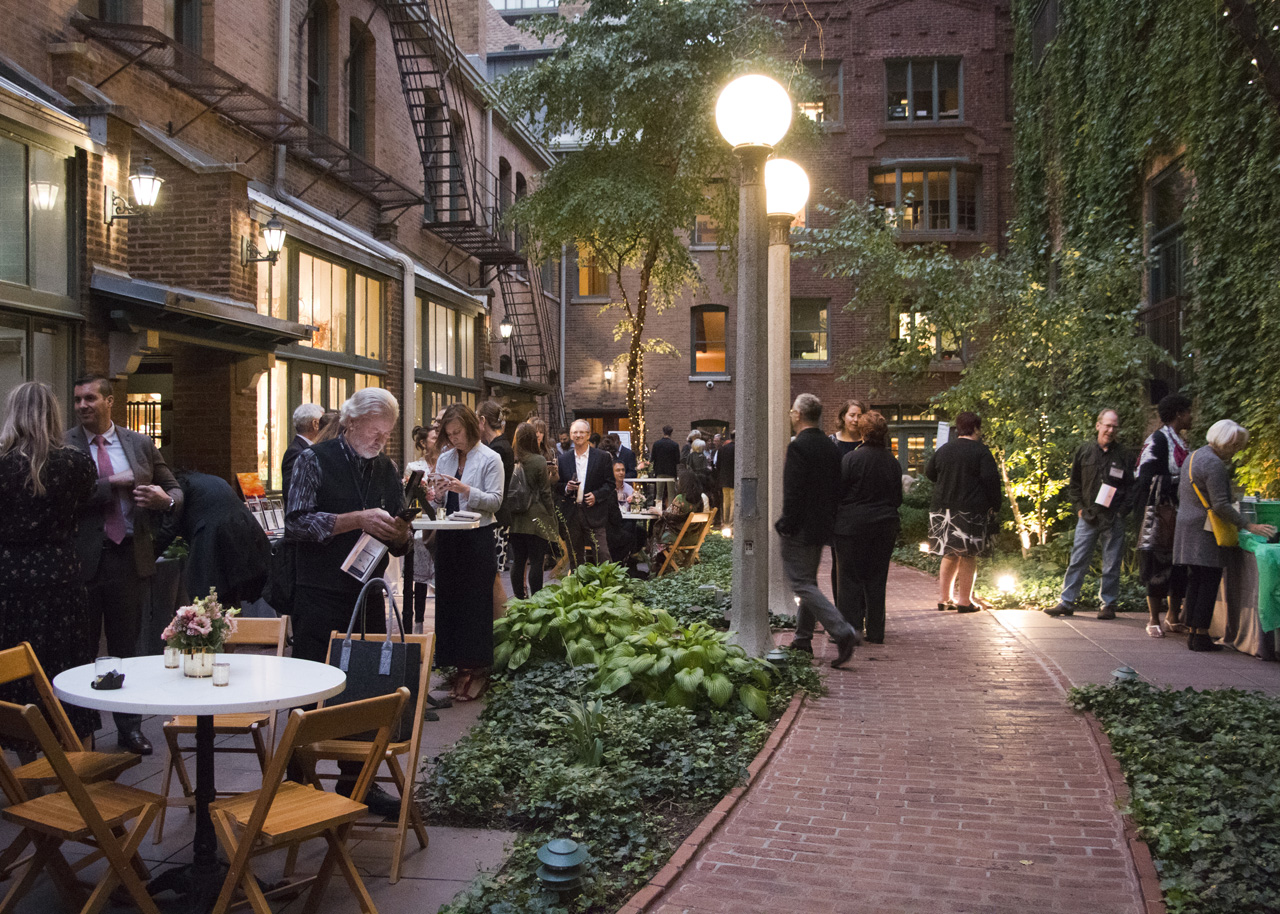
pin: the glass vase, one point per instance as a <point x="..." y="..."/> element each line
<point x="197" y="664"/>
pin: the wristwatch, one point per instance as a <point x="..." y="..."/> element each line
<point x="172" y="502"/>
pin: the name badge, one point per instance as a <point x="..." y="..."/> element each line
<point x="1117" y="473"/>
<point x="1105" y="495"/>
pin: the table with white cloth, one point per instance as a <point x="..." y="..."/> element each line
<point x="1235" y="613"/>
<point x="258" y="683"/>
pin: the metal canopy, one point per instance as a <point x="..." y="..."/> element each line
<point x="246" y="107"/>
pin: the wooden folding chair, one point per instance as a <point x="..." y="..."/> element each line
<point x="402" y="777"/>
<point x="17" y="663"/>
<point x="93" y="814"/>
<point x="684" y="551"/>
<point x="269" y="633"/>
<point x="285" y="813"/>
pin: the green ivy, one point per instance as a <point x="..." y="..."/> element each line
<point x="1201" y="769"/>
<point x="1126" y="86"/>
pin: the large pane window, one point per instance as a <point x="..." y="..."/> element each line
<point x="368" y="308"/>
<point x="34" y="349"/>
<point x="826" y="106"/>
<point x="35" y="248"/>
<point x="707" y="343"/>
<point x="915" y="329"/>
<point x="706" y="231"/>
<point x="322" y="302"/>
<point x="809" y="339"/>
<point x="272" y="299"/>
<point x="924" y="90"/>
<point x="938" y="200"/>
<point x="1166" y="200"/>
<point x="591" y="279"/>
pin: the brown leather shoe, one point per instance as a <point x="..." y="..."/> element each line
<point x="1108" y="611"/>
<point x="845" y="652"/>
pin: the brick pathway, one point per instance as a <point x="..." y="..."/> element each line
<point x="942" y="773"/>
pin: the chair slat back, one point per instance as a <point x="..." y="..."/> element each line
<point x="20" y="662"/>
<point x="260" y="633"/>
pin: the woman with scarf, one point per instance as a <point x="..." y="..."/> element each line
<point x="1163" y="454"/>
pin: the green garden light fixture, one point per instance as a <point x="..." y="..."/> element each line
<point x="563" y="864"/>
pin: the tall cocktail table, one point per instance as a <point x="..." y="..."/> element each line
<point x="258" y="683"/>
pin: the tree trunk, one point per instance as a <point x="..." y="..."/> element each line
<point x="635" y="354"/>
<point x="1019" y="522"/>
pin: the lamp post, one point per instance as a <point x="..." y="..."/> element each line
<point x="786" y="190"/>
<point x="753" y="113"/>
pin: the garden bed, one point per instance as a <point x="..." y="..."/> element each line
<point x="1201" y="768"/>
<point x="619" y="717"/>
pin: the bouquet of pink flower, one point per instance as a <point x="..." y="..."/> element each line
<point x="642" y="467"/>
<point x="637" y="501"/>
<point x="202" y="626"/>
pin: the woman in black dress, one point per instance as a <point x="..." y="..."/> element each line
<point x="42" y="599"/>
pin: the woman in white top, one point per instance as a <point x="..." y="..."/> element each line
<point x="426" y="440"/>
<point x="468" y="478"/>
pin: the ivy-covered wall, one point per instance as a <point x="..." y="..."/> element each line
<point x="1124" y="86"/>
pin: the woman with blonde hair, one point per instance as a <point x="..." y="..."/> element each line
<point x="42" y="599"/>
<point x="1204" y="486"/>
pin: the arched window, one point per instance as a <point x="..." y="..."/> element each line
<point x="707" y="354"/>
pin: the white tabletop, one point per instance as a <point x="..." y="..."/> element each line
<point x="642" y="517"/>
<point x="422" y="523"/>
<point x="258" y="683"/>
<point x="652" y="479"/>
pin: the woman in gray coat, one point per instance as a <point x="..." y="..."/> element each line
<point x="1206" y="472"/>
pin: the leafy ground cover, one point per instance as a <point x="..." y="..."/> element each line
<point x="1201" y="769"/>
<point x="616" y="721"/>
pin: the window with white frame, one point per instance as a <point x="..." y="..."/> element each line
<point x="928" y="199"/>
<point x="924" y="91"/>
<point x="809" y="332"/>
<point x="707" y="354"/>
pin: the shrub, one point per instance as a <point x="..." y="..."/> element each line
<point x="1201" y="769"/>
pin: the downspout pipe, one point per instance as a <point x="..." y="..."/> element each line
<point x="283" y="53"/>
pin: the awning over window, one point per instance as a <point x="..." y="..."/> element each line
<point x="205" y="318"/>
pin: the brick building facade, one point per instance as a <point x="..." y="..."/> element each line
<point x="391" y="275"/>
<point x="916" y="112"/>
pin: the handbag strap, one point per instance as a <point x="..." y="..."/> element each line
<point x="1191" y="474"/>
<point x="384" y="660"/>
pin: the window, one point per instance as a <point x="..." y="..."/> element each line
<point x="449" y="340"/>
<point x="914" y="328"/>
<point x="271" y="287"/>
<point x="318" y="67"/>
<point x="359" y="75"/>
<point x="551" y="277"/>
<point x="106" y="10"/>
<point x="939" y="200"/>
<point x="707" y="340"/>
<point x="1166" y="199"/>
<point x="322" y="302"/>
<point x="35" y="243"/>
<point x="592" y="283"/>
<point x="1044" y="28"/>
<point x="368" y="308"/>
<point x="827" y="106"/>
<point x="809" y="331"/>
<point x="34" y="348"/>
<point x="706" y="231"/>
<point x="923" y="90"/>
<point x="185" y="24"/>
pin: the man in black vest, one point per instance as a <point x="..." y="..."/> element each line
<point x="342" y="488"/>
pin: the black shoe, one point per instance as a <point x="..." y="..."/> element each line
<point x="1108" y="611"/>
<point x="1062" y="609"/>
<point x="967" y="608"/>
<point x="874" y="640"/>
<point x="845" y="653"/>
<point x="431" y="717"/>
<point x="804" y="646"/>
<point x="943" y="607"/>
<point x="133" y="741"/>
<point x="381" y="803"/>
<point x="1202" y="642"/>
<point x="439" y="703"/>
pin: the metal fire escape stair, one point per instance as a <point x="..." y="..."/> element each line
<point x="460" y="191"/>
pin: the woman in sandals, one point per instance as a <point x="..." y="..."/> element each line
<point x="1163" y="454"/>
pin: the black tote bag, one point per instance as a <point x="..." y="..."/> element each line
<point x="377" y="668"/>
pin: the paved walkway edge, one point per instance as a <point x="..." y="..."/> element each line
<point x="642" y="900"/>
<point x="1143" y="864"/>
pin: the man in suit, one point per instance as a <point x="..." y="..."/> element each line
<point x="623" y="453"/>
<point x="114" y="540"/>
<point x="725" y="466"/>
<point x="306" y="426"/>
<point x="666" y="454"/>
<point x="810" y="486"/>
<point x="586" y="490"/>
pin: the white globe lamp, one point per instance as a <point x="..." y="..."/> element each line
<point x="753" y="110"/>
<point x="786" y="187"/>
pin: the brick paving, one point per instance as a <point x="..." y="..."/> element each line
<point x="942" y="773"/>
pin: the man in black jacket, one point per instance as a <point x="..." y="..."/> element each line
<point x="306" y="426"/>
<point x="586" y="489"/>
<point x="725" y="467"/>
<point x="1101" y="491"/>
<point x="810" y="489"/>
<point x="665" y="455"/>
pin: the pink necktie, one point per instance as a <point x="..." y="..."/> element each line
<point x="113" y="520"/>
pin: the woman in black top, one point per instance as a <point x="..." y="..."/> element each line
<point x="867" y="526"/>
<point x="846" y="436"/>
<point x="962" y="516"/>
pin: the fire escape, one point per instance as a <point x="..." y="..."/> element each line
<point x="462" y="206"/>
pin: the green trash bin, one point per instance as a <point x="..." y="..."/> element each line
<point x="1269" y="511"/>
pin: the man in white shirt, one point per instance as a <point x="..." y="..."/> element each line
<point x="586" y="486"/>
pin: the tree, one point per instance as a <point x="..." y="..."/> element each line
<point x="1044" y="356"/>
<point x="634" y="83"/>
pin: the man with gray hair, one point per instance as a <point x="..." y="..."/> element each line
<point x="1102" y="492"/>
<point x="306" y="426"/>
<point x="810" y="486"/>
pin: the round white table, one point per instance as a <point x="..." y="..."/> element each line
<point x="258" y="683"/>
<point x="648" y="479"/>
